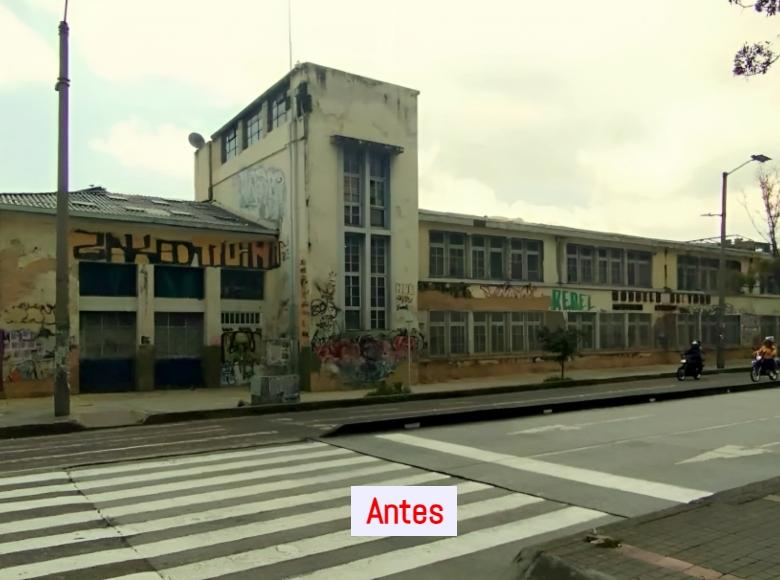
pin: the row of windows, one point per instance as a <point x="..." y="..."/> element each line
<point x="456" y="255"/>
<point x="252" y="128"/>
<point x="112" y="335"/>
<point x="104" y="279"/>
<point x="355" y="307"/>
<point x="366" y="187"/>
<point x="695" y="273"/>
<point x="608" y="266"/>
<point x="463" y="333"/>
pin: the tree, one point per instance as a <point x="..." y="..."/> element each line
<point x="563" y="342"/>
<point x="757" y="58"/>
<point x="768" y="271"/>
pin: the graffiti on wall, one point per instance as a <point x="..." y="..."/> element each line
<point x="570" y="301"/>
<point x="367" y="359"/>
<point x="262" y="191"/>
<point x="28" y="355"/>
<point x="40" y="315"/>
<point x="145" y="249"/>
<point x="324" y="311"/>
<point x="241" y="355"/>
<point x="509" y="291"/>
<point x="404" y="295"/>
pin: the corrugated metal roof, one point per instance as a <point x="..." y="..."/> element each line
<point x="98" y="203"/>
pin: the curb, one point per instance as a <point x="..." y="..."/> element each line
<point x="419" y="420"/>
<point x="63" y="427"/>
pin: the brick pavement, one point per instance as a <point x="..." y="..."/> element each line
<point x="733" y="535"/>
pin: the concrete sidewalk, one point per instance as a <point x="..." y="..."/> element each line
<point x="119" y="409"/>
<point x="731" y="535"/>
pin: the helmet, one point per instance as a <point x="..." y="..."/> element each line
<point x="695" y="343"/>
<point x="769" y="339"/>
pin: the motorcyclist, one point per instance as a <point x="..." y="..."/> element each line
<point x="695" y="356"/>
<point x="768" y="352"/>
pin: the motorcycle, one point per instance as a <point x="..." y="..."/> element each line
<point x="689" y="369"/>
<point x="759" y="369"/>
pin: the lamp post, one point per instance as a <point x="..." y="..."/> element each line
<point x="62" y="310"/>
<point x="721" y="346"/>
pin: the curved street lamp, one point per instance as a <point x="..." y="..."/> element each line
<point x="721" y="351"/>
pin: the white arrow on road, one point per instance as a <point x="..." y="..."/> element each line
<point x="730" y="452"/>
<point x="576" y="426"/>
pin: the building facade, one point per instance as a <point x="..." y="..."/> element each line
<point x="330" y="158"/>
<point x="163" y="293"/>
<point x="305" y="248"/>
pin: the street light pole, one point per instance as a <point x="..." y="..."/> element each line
<point x="721" y="344"/>
<point x="62" y="314"/>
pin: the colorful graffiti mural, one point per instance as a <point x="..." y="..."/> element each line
<point x="509" y="291"/>
<point x="570" y="301"/>
<point x="241" y="355"/>
<point x="367" y="358"/>
<point x="28" y="355"/>
<point x="144" y="249"/>
<point x="324" y="312"/>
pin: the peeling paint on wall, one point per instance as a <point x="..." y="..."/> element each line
<point x="19" y="270"/>
<point x="262" y="192"/>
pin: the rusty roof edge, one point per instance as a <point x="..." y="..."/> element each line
<point x="251" y="229"/>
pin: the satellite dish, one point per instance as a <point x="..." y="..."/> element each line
<point x="196" y="140"/>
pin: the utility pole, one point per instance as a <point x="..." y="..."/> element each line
<point x="62" y="310"/>
<point x="721" y="346"/>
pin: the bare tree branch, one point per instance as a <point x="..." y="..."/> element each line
<point x="770" y="198"/>
<point x="751" y="215"/>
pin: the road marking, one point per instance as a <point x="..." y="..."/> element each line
<point x="658" y="436"/>
<point x="61" y="565"/>
<point x="406" y="559"/>
<point x="315" y="455"/>
<point x="728" y="452"/>
<point x="577" y="426"/>
<point x="588" y="476"/>
<point x="252" y="559"/>
<point x="177" y="486"/>
<point x="164" y="444"/>
<point x="197" y="458"/>
<point x="34" y="504"/>
<point x="34" y="478"/>
<point x="128" y="530"/>
<point x="45" y="522"/>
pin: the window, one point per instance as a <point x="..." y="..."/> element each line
<point x="230" y="319"/>
<point x="768" y="285"/>
<point x="102" y="279"/>
<point x="178" y="282"/>
<point x="241" y="284"/>
<point x="585" y="323"/>
<point x="497" y="259"/>
<point x="229" y="144"/>
<point x="769" y="326"/>
<point x="437" y="334"/>
<point x="279" y="107"/>
<point x="456" y="255"/>
<point x="379" y="285"/>
<point x="447" y="253"/>
<point x="178" y="334"/>
<point x="579" y="264"/>
<point x="353" y="318"/>
<point x="377" y="184"/>
<point x="711" y="334"/>
<point x="638" y="268"/>
<point x="447" y="333"/>
<point x="639" y="330"/>
<point x="524" y="331"/>
<point x="612" y="330"/>
<point x="687" y="329"/>
<point x="253" y="129"/>
<point x="525" y="260"/>
<point x="701" y="274"/>
<point x="498" y="332"/>
<point x="436" y="253"/>
<point x="480" y="333"/>
<point x="107" y="335"/>
<point x="353" y="214"/>
<point x="478" y="260"/>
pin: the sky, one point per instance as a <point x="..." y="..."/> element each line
<point x="610" y="115"/>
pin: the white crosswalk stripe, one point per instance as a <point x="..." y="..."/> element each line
<point x="271" y="511"/>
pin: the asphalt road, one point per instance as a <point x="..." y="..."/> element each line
<point x="282" y="510"/>
<point x="126" y="443"/>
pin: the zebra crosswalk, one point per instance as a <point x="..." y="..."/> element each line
<point x="272" y="512"/>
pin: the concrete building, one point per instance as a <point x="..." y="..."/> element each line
<point x="330" y="158"/>
<point x="163" y="293"/>
<point x="309" y="196"/>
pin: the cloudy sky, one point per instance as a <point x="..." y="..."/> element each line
<point x="609" y="115"/>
